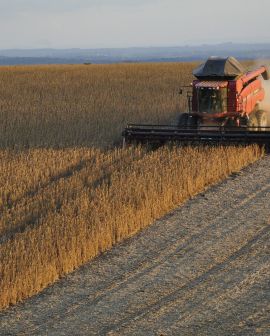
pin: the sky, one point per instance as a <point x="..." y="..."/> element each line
<point x="131" y="23"/>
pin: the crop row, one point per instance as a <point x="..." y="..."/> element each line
<point x="58" y="227"/>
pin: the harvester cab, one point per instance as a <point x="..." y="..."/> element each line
<point x="225" y="95"/>
<point x="224" y="105"/>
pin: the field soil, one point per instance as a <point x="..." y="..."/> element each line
<point x="204" y="269"/>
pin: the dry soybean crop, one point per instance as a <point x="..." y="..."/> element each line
<point x="68" y="190"/>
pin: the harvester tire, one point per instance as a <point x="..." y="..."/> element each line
<point x="193" y="122"/>
<point x="187" y="120"/>
<point x="183" y="120"/>
<point x="253" y="124"/>
<point x="266" y="74"/>
<point x="262" y="119"/>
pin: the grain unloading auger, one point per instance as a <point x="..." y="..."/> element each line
<point x="225" y="106"/>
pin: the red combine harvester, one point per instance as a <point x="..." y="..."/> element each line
<point x="225" y="105"/>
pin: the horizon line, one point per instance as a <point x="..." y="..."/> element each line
<point x="139" y="47"/>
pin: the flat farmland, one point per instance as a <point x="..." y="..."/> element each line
<point x="203" y="269"/>
<point x="69" y="192"/>
<point x="76" y="105"/>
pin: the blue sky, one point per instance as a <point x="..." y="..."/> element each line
<point x="126" y="23"/>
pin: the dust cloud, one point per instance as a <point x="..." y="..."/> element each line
<point x="265" y="105"/>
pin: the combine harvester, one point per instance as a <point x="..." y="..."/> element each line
<point x="224" y="106"/>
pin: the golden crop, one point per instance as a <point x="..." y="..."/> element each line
<point x="60" y="106"/>
<point x="66" y="194"/>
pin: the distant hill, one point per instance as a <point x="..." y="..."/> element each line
<point x="151" y="54"/>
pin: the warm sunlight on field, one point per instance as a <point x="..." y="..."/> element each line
<point x="85" y="105"/>
<point x="66" y="193"/>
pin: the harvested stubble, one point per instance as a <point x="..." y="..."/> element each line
<point x="110" y="197"/>
<point x="62" y="207"/>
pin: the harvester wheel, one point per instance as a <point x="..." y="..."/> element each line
<point x="262" y="119"/>
<point x="183" y="120"/>
<point x="253" y="122"/>
<point x="193" y="121"/>
<point x="187" y="120"/>
<point x="266" y="74"/>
